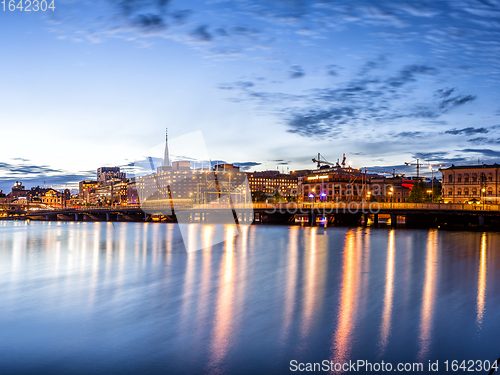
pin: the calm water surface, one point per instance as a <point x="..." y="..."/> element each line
<point x="127" y="298"/>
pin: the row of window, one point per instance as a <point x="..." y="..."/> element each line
<point x="466" y="178"/>
<point x="466" y="192"/>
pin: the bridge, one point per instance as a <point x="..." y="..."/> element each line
<point x="337" y="213"/>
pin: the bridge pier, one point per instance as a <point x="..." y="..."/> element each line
<point x="77" y="216"/>
<point x="375" y="220"/>
<point x="365" y="219"/>
<point x="394" y="220"/>
<point x="312" y="218"/>
<point x="481" y="220"/>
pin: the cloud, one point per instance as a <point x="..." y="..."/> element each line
<point x="319" y="122"/>
<point x="245" y="166"/>
<point x="296" y="72"/>
<point x="437" y="155"/>
<point x="483" y="151"/>
<point x="149" y="22"/>
<point x="456" y="101"/>
<point x="408" y="74"/>
<point x="236" y="85"/>
<point x="11" y="170"/>
<point x="484" y="141"/>
<point x="201" y="34"/>
<point x="467" y="131"/>
<point x="331" y="70"/>
<point x="39" y="175"/>
<point x="410" y="135"/>
<point x="368" y="99"/>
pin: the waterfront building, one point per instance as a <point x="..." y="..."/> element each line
<point x="389" y="189"/>
<point x="87" y="191"/>
<point x="18" y="191"/>
<point x="187" y="186"/>
<point x="176" y="183"/>
<point x="471" y="184"/>
<point x="333" y="184"/>
<point x="270" y="182"/>
<point x="111" y="192"/>
<point x="52" y="198"/>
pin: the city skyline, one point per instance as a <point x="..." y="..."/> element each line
<point x="268" y="84"/>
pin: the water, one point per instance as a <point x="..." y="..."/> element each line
<point x="127" y="298"/>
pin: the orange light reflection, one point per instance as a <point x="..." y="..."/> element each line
<point x="342" y="340"/>
<point x="481" y="285"/>
<point x="428" y="295"/>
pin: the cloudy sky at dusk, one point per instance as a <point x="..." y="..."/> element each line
<point x="269" y="83"/>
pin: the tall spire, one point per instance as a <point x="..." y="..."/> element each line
<point x="166" y="159"/>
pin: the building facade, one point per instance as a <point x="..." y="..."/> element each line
<point x="471" y="184"/>
<point x="188" y="186"/>
<point x="87" y="192"/>
<point x="108" y="173"/>
<point x="270" y="182"/>
<point x="333" y="184"/>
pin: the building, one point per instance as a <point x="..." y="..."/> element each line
<point x="87" y="191"/>
<point x="188" y="186"/>
<point x="108" y="173"/>
<point x="18" y="192"/>
<point x="111" y="192"/>
<point x="333" y="184"/>
<point x="471" y="184"/>
<point x="3" y="198"/>
<point x="389" y="189"/>
<point x="177" y="183"/>
<point x="270" y="182"/>
<point x="53" y="198"/>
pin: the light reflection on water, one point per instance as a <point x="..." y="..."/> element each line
<point x="127" y="298"/>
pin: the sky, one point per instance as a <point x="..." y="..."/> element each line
<point x="268" y="83"/>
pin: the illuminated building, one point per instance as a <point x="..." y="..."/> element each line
<point x="86" y="191"/>
<point x="471" y="184"/>
<point x="178" y="183"/>
<point x="108" y="173"/>
<point x="333" y="184"/>
<point x="271" y="181"/>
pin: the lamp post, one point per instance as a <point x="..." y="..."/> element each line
<point x="483" y="190"/>
<point x="432" y="184"/>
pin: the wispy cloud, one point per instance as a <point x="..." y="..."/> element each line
<point x="38" y="175"/>
<point x="297" y="72"/>
<point x="366" y="100"/>
<point x="467" y="131"/>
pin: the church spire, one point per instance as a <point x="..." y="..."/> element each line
<point x="166" y="159"/>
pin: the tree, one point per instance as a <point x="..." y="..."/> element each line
<point x="437" y="194"/>
<point x="277" y="197"/>
<point x="259" y="196"/>
<point x="418" y="192"/>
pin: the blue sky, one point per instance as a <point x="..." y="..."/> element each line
<point x="268" y="83"/>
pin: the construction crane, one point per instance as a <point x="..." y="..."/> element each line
<point x="381" y="172"/>
<point x="418" y="164"/>
<point x="321" y="160"/>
